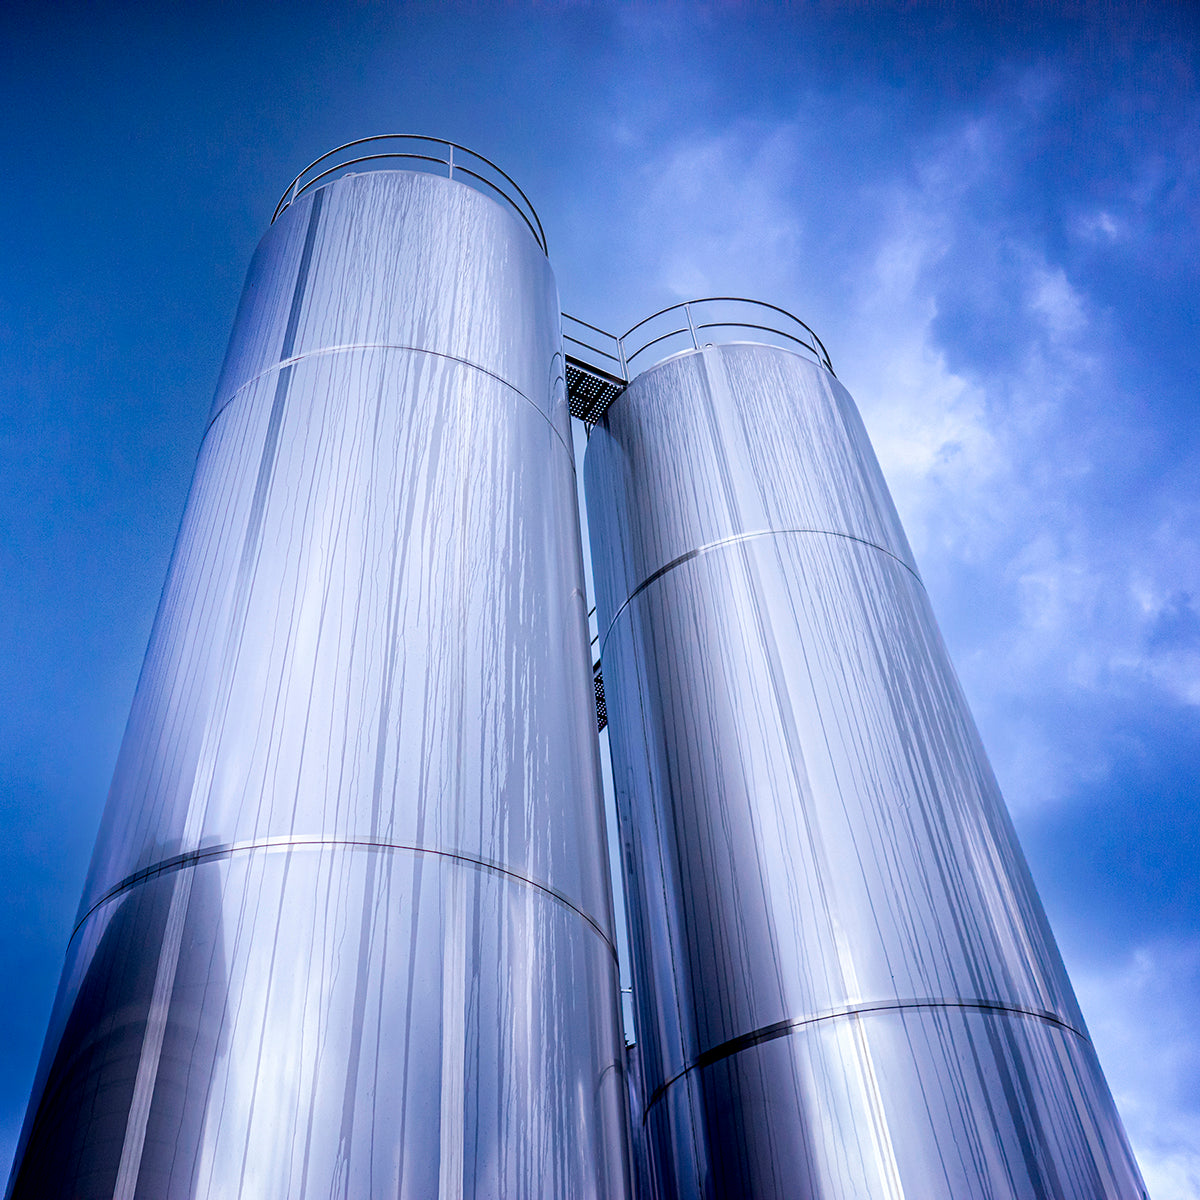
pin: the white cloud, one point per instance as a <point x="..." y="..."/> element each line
<point x="1101" y="226"/>
<point x="1169" y="662"/>
<point x="716" y="214"/>
<point x="1000" y="467"/>
<point x="1142" y="1020"/>
<point x="929" y="425"/>
<point x="1054" y="299"/>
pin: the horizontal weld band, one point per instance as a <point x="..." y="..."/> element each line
<point x="733" y="539"/>
<point x="349" y="346"/>
<point x="780" y="1029"/>
<point x="207" y="854"/>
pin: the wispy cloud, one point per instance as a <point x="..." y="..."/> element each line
<point x="1143" y="1022"/>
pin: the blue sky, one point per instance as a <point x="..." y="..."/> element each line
<point x="992" y="223"/>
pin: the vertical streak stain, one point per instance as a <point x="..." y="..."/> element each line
<point x="147" y="1072"/>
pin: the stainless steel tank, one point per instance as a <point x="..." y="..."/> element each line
<point x="347" y="930"/>
<point x="845" y="983"/>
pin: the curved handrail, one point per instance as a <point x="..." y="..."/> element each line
<point x="792" y="329"/>
<point x="506" y="188"/>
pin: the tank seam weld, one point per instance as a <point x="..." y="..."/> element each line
<point x="342" y="349"/>
<point x="768" y="1033"/>
<point x="193" y="858"/>
<point x="733" y="539"/>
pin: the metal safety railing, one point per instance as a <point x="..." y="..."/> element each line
<point x="595" y="369"/>
<point x="433" y="155"/>
<point x="600" y="364"/>
<point x="593" y="346"/>
<point x="689" y="325"/>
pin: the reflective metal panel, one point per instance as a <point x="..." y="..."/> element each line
<point x="343" y="1020"/>
<point x="382" y="597"/>
<point x="845" y="982"/>
<point x="398" y="258"/>
<point x="347" y="930"/>
<point x="935" y="1102"/>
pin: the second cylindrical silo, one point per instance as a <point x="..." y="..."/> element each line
<point x="845" y="984"/>
<point x="347" y="927"/>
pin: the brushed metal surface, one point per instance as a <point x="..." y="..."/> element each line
<point x="347" y="1021"/>
<point x="401" y="258"/>
<point x="845" y="983"/>
<point x="347" y="929"/>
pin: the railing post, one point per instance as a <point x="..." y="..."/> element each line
<point x="687" y="312"/>
<point x="450" y="147"/>
<point x="621" y="358"/>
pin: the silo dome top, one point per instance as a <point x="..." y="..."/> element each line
<point x="433" y="155"/>
<point x="712" y="320"/>
<point x="600" y="364"/>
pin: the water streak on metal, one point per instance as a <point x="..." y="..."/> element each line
<point x="845" y="983"/>
<point x="420" y="153"/>
<point x="347" y="929"/>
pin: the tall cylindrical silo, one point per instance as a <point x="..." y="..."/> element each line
<point x="845" y="983"/>
<point x="347" y="930"/>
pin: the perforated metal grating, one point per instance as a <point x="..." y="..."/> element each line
<point x="601" y="707"/>
<point x="590" y="391"/>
